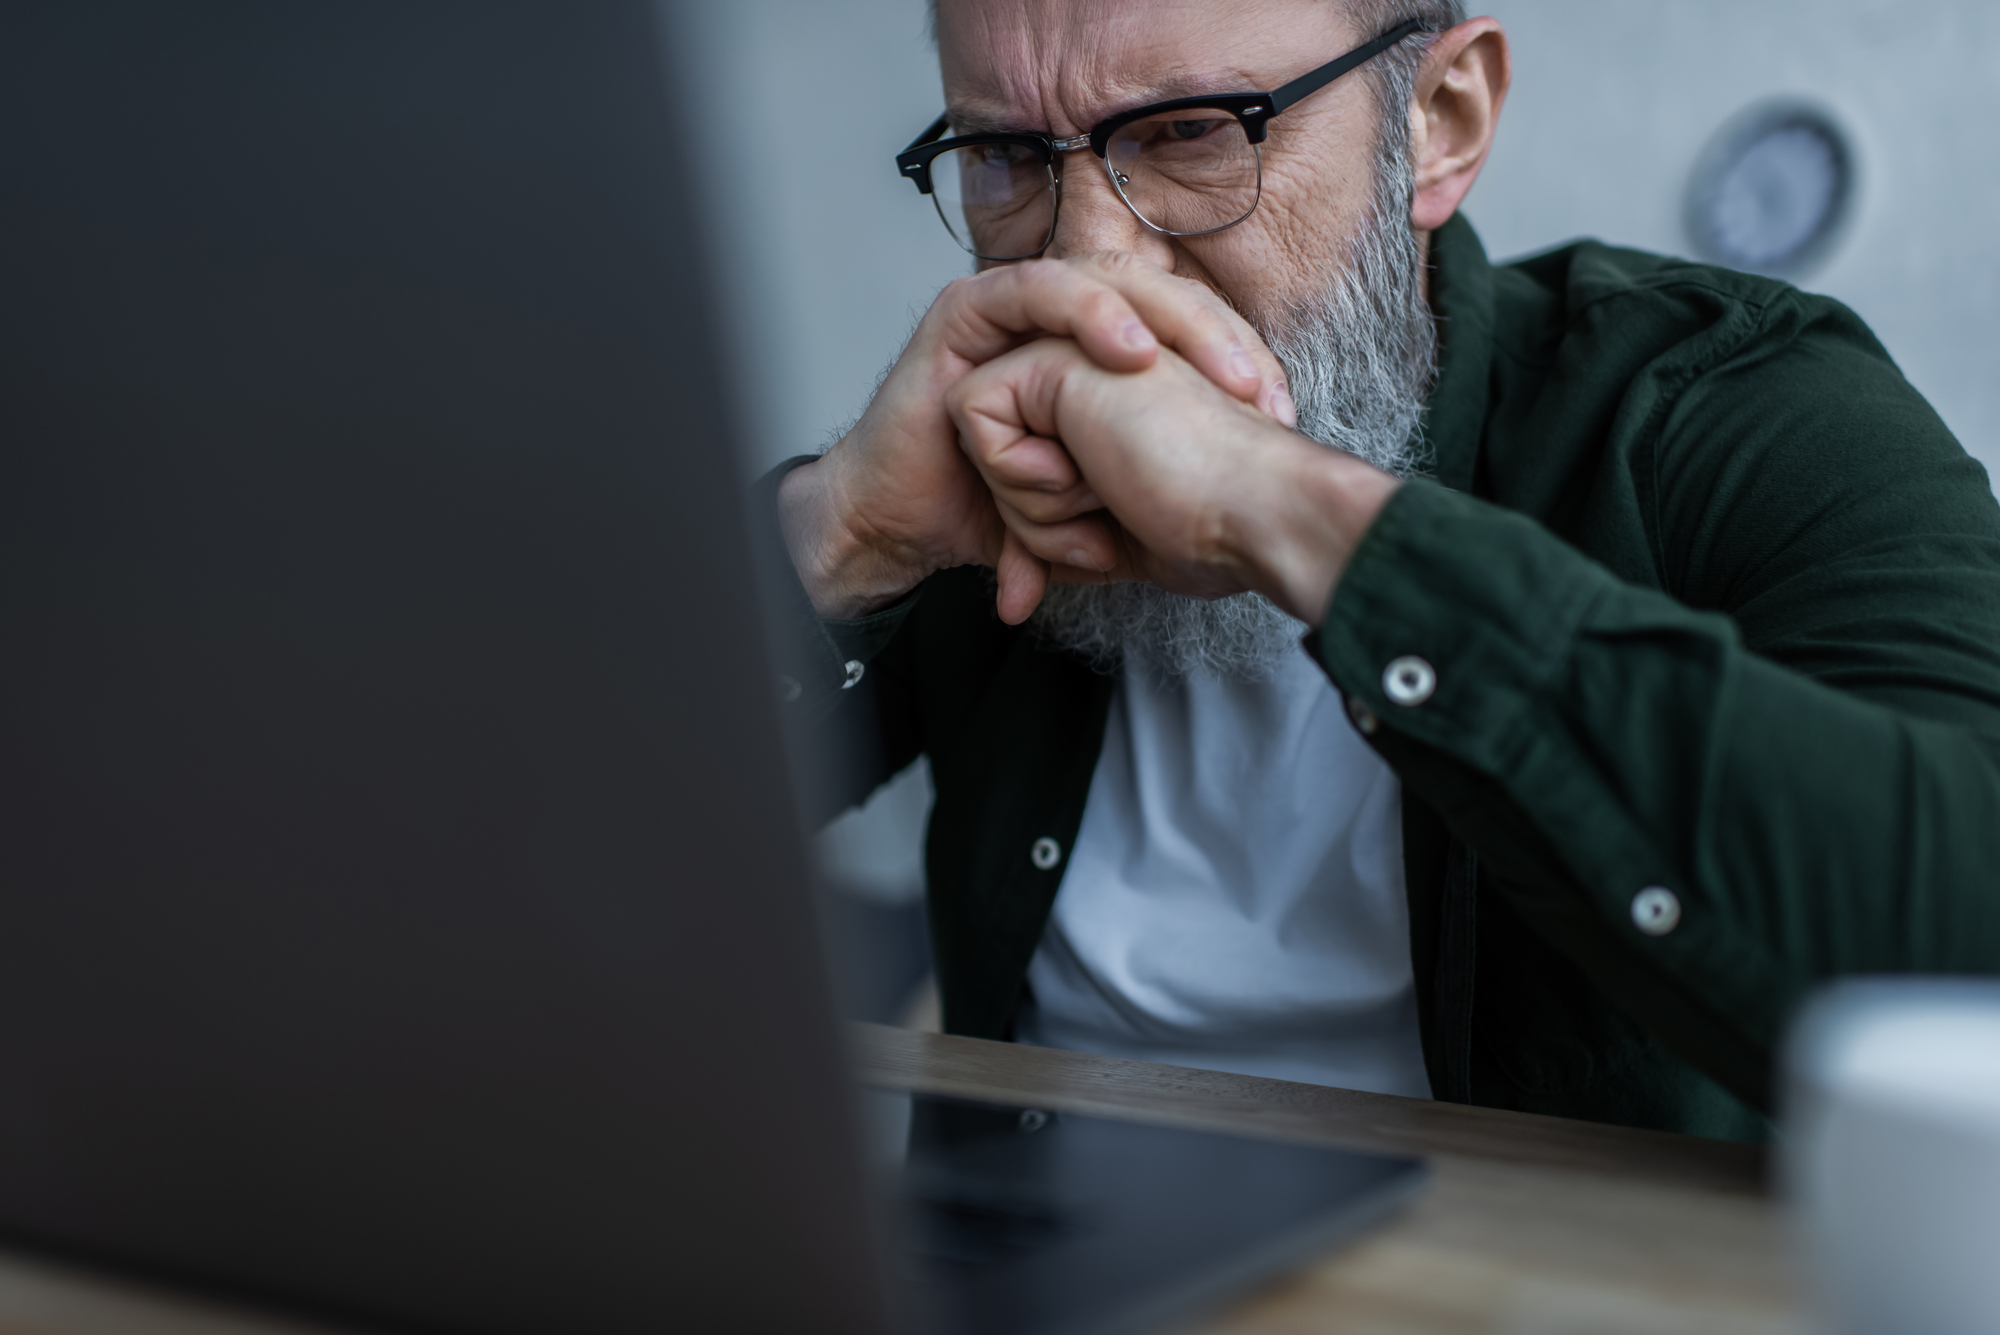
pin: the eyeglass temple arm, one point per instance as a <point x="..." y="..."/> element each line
<point x="1314" y="80"/>
<point x="932" y="135"/>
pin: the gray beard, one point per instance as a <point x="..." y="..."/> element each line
<point x="1360" y="356"/>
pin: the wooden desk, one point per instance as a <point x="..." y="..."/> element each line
<point x="1532" y="1224"/>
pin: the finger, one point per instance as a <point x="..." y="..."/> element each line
<point x="1133" y="562"/>
<point x="1194" y="321"/>
<point x="1088" y="544"/>
<point x="1028" y="463"/>
<point x="1004" y="412"/>
<point x="1009" y="404"/>
<point x="1120" y="309"/>
<point x="979" y="318"/>
<point x="1035" y="475"/>
<point x="1023" y="579"/>
<point x="1040" y="508"/>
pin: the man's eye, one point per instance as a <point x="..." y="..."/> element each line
<point x="1191" y="129"/>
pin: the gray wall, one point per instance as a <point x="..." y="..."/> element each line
<point x="1613" y="100"/>
<point x="833" y="256"/>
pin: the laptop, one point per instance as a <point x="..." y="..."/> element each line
<point x="402" y="913"/>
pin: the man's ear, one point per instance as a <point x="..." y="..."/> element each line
<point x="1457" y="104"/>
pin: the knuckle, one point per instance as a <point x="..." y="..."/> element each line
<point x="953" y="303"/>
<point x="1100" y="303"/>
<point x="1115" y="267"/>
<point x="958" y="398"/>
<point x="1037" y="270"/>
<point x="1204" y="298"/>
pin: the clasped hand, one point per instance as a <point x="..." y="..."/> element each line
<point x="1079" y="420"/>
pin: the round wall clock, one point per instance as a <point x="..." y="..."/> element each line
<point x="1771" y="190"/>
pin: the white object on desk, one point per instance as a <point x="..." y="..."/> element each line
<point x="1892" y="1154"/>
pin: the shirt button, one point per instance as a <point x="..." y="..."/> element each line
<point x="789" y="689"/>
<point x="1656" y="910"/>
<point x="1364" y="718"/>
<point x="1409" y="680"/>
<point x="1045" y="854"/>
<point x="854" y="671"/>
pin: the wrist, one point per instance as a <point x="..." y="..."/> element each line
<point x="1315" y="508"/>
<point x="844" y="574"/>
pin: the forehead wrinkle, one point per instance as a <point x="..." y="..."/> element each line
<point x="976" y="114"/>
<point x="1062" y="78"/>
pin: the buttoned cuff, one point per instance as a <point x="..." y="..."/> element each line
<point x="815" y="660"/>
<point x="1457" y="635"/>
<point x="1450" y="621"/>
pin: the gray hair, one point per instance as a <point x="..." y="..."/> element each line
<point x="1393" y="73"/>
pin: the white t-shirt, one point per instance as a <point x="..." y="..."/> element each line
<point x="1235" y="897"/>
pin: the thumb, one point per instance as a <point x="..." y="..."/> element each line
<point x="1023" y="578"/>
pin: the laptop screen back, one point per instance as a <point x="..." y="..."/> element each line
<point x="401" y="908"/>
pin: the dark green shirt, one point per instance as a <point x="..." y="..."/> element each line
<point x="1712" y="599"/>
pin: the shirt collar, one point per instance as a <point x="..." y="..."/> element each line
<point x="1462" y="303"/>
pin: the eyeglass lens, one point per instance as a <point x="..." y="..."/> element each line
<point x="997" y="200"/>
<point x="1186" y="172"/>
<point x="1183" y="172"/>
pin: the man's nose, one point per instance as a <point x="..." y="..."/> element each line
<point x="1092" y="217"/>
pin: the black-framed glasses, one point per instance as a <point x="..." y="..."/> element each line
<point x="1187" y="167"/>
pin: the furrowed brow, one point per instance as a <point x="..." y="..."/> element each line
<point x="979" y="120"/>
<point x="966" y="121"/>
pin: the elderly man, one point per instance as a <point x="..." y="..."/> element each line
<point x="1345" y="660"/>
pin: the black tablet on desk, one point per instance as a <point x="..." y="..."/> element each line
<point x="402" y="915"/>
<point x="1018" y="1219"/>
